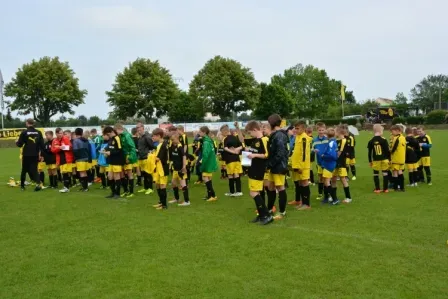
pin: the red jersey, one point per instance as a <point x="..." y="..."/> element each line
<point x="62" y="157"/>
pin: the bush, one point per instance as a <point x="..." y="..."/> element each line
<point x="351" y="121"/>
<point x="330" y="122"/>
<point x="8" y="143"/>
<point x="415" y="120"/>
<point x="436" y="117"/>
<point x="398" y="120"/>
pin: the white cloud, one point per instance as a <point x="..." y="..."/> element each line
<point x="122" y="17"/>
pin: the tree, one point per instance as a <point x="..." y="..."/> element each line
<point x="72" y="122"/>
<point x="311" y="89"/>
<point x="44" y="88"/>
<point x="273" y="99"/>
<point x="186" y="109"/>
<point x="82" y="120"/>
<point x="432" y="89"/>
<point x="400" y="99"/>
<point x="143" y="89"/>
<point x="349" y="98"/>
<point x="225" y="87"/>
<point x="94" y="121"/>
<point x="8" y="115"/>
<point x="368" y="106"/>
<point x="244" y="117"/>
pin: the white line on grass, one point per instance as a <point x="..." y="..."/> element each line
<point x="367" y="238"/>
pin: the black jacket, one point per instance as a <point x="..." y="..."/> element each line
<point x="32" y="142"/>
<point x="278" y="153"/>
<point x="145" y="145"/>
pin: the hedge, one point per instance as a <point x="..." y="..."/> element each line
<point x="436" y="117"/>
<point x="415" y="120"/>
<point x="399" y="120"/>
<point x="335" y="122"/>
<point x="8" y="143"/>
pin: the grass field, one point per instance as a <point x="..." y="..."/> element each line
<point x="80" y="245"/>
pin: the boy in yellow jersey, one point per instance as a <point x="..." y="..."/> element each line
<point x="231" y="154"/>
<point x="162" y="167"/>
<point x="220" y="152"/>
<point x="412" y="153"/>
<point x="179" y="163"/>
<point x="258" y="154"/>
<point x="183" y="139"/>
<point x="145" y="148"/>
<point x="50" y="160"/>
<point x="277" y="164"/>
<point x="301" y="166"/>
<point x="41" y="166"/>
<point x="379" y="155"/>
<point x="425" y="157"/>
<point x="341" y="170"/>
<point x="266" y="133"/>
<point x="309" y="132"/>
<point x="397" y="157"/>
<point x="351" y="161"/>
<point x="116" y="159"/>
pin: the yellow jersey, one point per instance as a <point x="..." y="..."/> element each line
<point x="398" y="150"/>
<point x="301" y="155"/>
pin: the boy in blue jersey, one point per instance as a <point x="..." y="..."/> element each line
<point x="102" y="163"/>
<point x="320" y="143"/>
<point x="328" y="159"/>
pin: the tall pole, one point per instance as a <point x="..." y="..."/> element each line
<point x="440" y="98"/>
<point x="342" y="105"/>
<point x="2" y="104"/>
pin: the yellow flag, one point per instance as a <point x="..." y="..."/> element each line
<point x="343" y="92"/>
<point x="283" y="123"/>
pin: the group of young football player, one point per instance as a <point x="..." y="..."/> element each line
<point x="116" y="157"/>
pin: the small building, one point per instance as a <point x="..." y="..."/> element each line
<point x="384" y="101"/>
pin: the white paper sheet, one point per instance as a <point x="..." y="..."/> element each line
<point x="245" y="161"/>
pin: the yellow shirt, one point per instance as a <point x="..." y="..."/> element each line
<point x="398" y="150"/>
<point x="301" y="156"/>
<point x="151" y="166"/>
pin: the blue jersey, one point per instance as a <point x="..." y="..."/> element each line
<point x="93" y="150"/>
<point x="292" y="141"/>
<point x="329" y="155"/>
<point x="320" y="144"/>
<point x="102" y="161"/>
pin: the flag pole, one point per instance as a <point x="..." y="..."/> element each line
<point x="1" y="98"/>
<point x="342" y="98"/>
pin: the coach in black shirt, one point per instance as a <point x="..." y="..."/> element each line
<point x="32" y="142"/>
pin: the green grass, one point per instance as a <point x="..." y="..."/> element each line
<point x="84" y="246"/>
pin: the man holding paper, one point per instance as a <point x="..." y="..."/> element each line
<point x="255" y="158"/>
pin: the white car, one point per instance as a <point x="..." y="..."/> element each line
<point x="352" y="116"/>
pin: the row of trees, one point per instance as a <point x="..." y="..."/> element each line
<point x="224" y="87"/>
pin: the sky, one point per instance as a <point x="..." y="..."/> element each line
<point x="376" y="48"/>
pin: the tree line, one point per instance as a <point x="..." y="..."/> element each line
<point x="146" y="90"/>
